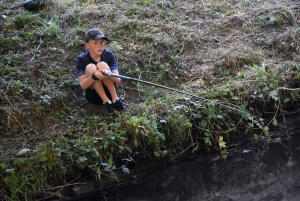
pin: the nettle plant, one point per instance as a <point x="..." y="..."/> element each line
<point x="211" y="123"/>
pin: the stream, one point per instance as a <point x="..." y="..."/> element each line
<point x="264" y="171"/>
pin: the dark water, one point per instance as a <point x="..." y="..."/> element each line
<point x="268" y="171"/>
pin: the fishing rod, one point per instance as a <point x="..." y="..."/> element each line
<point x="172" y="89"/>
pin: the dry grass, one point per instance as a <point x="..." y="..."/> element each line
<point x="235" y="51"/>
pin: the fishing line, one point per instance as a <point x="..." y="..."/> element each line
<point x="172" y="89"/>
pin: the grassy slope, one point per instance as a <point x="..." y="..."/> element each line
<point x="244" y="54"/>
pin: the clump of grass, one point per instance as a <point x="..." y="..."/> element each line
<point x="286" y="42"/>
<point x="238" y="57"/>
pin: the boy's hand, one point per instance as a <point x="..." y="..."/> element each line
<point x="104" y="72"/>
<point x="101" y="74"/>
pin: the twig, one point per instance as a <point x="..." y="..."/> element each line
<point x="289" y="89"/>
<point x="186" y="149"/>
<point x="17" y="121"/>
<point x="7" y="185"/>
<point x="60" y="188"/>
<point x="72" y="184"/>
<point x="104" y="197"/>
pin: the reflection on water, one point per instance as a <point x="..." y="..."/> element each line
<point x="269" y="171"/>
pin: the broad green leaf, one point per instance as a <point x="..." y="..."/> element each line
<point x="266" y="131"/>
<point x="208" y="134"/>
<point x="110" y="161"/>
<point x="2" y="166"/>
<point x="274" y="94"/>
<point x="219" y="116"/>
<point x="82" y="159"/>
<point x="207" y="141"/>
<point x="156" y="153"/>
<point x="203" y="123"/>
<point x="82" y="148"/>
<point x="43" y="159"/>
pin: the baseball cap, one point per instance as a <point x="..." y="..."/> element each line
<point x="94" y="34"/>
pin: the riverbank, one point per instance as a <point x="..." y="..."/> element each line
<point x="266" y="170"/>
<point x="239" y="60"/>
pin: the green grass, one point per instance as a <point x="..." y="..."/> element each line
<point x="238" y="84"/>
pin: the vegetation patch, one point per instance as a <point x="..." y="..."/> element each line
<point x="227" y="68"/>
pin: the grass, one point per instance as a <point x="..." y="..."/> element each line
<point x="228" y="54"/>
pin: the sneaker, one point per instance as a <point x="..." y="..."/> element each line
<point x="119" y="105"/>
<point x="107" y="109"/>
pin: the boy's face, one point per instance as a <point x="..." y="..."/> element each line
<point x="96" y="46"/>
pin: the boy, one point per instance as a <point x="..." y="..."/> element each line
<point x="91" y="67"/>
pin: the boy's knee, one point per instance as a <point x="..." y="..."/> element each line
<point x="102" y="65"/>
<point x="90" y="69"/>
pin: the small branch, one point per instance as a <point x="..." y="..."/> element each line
<point x="17" y="122"/>
<point x="56" y="193"/>
<point x="49" y="189"/>
<point x="192" y="145"/>
<point x="289" y="89"/>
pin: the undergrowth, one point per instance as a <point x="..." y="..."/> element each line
<point x="235" y="76"/>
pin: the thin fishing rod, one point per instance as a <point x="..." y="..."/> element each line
<point x="172" y="89"/>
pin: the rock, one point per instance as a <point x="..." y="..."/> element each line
<point x="31" y="4"/>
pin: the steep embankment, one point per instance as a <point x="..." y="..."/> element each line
<point x="241" y="58"/>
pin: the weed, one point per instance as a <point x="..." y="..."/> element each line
<point x="160" y="41"/>
<point x="244" y="3"/>
<point x="27" y="21"/>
